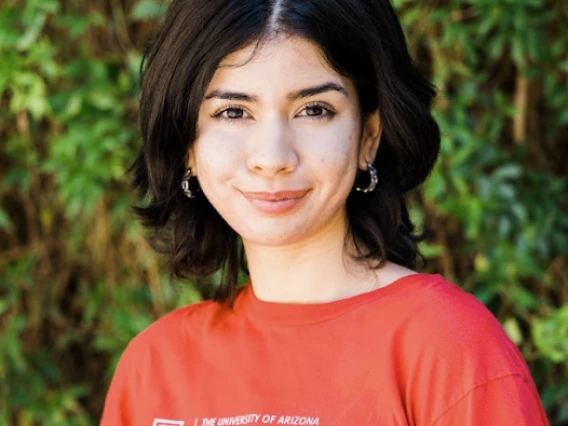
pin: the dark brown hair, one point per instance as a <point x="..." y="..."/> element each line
<point x="362" y="40"/>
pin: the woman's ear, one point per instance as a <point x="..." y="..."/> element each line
<point x="190" y="160"/>
<point x="370" y="139"/>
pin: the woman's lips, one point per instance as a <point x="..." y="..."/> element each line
<point x="275" y="202"/>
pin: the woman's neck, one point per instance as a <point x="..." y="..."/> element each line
<point x="318" y="270"/>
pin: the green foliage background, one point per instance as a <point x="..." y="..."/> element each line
<point x="77" y="280"/>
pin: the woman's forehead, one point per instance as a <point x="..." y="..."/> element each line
<point x="282" y="60"/>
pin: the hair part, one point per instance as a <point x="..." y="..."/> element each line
<point x="273" y="23"/>
<point x="362" y="40"/>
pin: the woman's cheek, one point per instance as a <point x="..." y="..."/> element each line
<point x="217" y="151"/>
<point x="336" y="150"/>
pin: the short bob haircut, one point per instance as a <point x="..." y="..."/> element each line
<point x="361" y="40"/>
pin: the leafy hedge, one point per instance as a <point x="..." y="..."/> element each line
<point x="77" y="280"/>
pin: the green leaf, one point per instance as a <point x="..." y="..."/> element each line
<point x="513" y="330"/>
<point x="148" y="9"/>
<point x="551" y="335"/>
<point x="5" y="222"/>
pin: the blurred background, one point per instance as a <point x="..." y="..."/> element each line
<point x="77" y="280"/>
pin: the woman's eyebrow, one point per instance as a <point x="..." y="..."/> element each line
<point x="304" y="93"/>
<point x="231" y="96"/>
<point x="316" y="90"/>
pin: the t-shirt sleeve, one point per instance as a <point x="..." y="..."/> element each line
<point x="508" y="400"/>
<point x="143" y="369"/>
<point x="460" y="368"/>
<point x="119" y="404"/>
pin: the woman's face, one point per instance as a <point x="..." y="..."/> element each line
<point x="280" y="142"/>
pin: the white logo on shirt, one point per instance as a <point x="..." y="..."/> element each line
<point x="165" y="422"/>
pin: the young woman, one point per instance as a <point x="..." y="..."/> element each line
<point x="284" y="134"/>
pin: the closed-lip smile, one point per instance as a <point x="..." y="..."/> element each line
<point x="275" y="202"/>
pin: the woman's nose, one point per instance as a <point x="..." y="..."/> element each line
<point x="272" y="149"/>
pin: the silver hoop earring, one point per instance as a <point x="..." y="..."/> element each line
<point x="185" y="185"/>
<point x="373" y="180"/>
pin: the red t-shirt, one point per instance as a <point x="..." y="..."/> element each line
<point x="419" y="352"/>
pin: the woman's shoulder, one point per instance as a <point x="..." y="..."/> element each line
<point x="435" y="309"/>
<point x="446" y="310"/>
<point x="449" y="354"/>
<point x="447" y="327"/>
<point x="446" y="344"/>
<point x="174" y="329"/>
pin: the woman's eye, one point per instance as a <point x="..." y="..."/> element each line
<point x="317" y="111"/>
<point x="230" y="113"/>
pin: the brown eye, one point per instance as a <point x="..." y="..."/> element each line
<point x="234" y="113"/>
<point x="231" y="113"/>
<point x="315" y="110"/>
